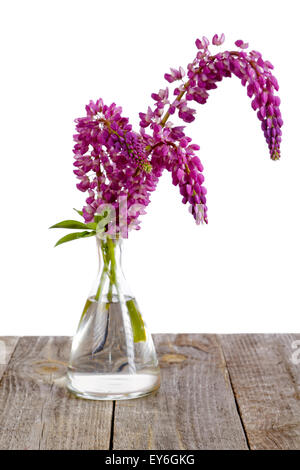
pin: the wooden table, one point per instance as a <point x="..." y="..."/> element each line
<point x="218" y="392"/>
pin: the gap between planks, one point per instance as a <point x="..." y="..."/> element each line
<point x="266" y="384"/>
<point x="195" y="407"/>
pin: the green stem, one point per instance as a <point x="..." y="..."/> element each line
<point x="112" y="273"/>
<point x="109" y="259"/>
<point x="111" y="254"/>
<point x="108" y="248"/>
<point x="105" y="269"/>
<point x="100" y="285"/>
<point x="167" y="115"/>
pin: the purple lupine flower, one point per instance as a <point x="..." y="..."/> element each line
<point x="187" y="174"/>
<point x="218" y="40"/>
<point x="241" y="44"/>
<point x="146" y="118"/>
<point x="175" y="75"/>
<point x="136" y="148"/>
<point x="203" y="75"/>
<point x="112" y="161"/>
<point x="202" y="44"/>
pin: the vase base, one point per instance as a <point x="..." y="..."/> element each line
<point x="112" y="387"/>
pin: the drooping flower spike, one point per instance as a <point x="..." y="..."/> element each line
<point x="207" y="70"/>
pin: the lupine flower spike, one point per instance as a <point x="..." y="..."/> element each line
<point x="112" y="161"/>
<point x="172" y="149"/>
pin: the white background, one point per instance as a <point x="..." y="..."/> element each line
<point x="240" y="273"/>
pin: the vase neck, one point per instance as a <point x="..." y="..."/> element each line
<point x="110" y="253"/>
<point x="110" y="281"/>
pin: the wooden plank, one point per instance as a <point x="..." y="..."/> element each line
<point x="7" y="347"/>
<point x="266" y="384"/>
<point x="37" y="412"/>
<point x="195" y="407"/>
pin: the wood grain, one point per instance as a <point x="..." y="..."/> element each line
<point x="218" y="392"/>
<point x="266" y="384"/>
<point x="7" y="347"/>
<point x="195" y="407"/>
<point x="37" y="412"/>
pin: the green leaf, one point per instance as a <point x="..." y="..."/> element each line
<point x="99" y="217"/>
<point x="86" y="307"/>
<point x="137" y="324"/>
<point x="75" y="236"/>
<point x="78" y="212"/>
<point x="102" y="220"/>
<point x="72" y="224"/>
<point x="91" y="225"/>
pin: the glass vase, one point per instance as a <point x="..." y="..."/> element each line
<point x="113" y="355"/>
